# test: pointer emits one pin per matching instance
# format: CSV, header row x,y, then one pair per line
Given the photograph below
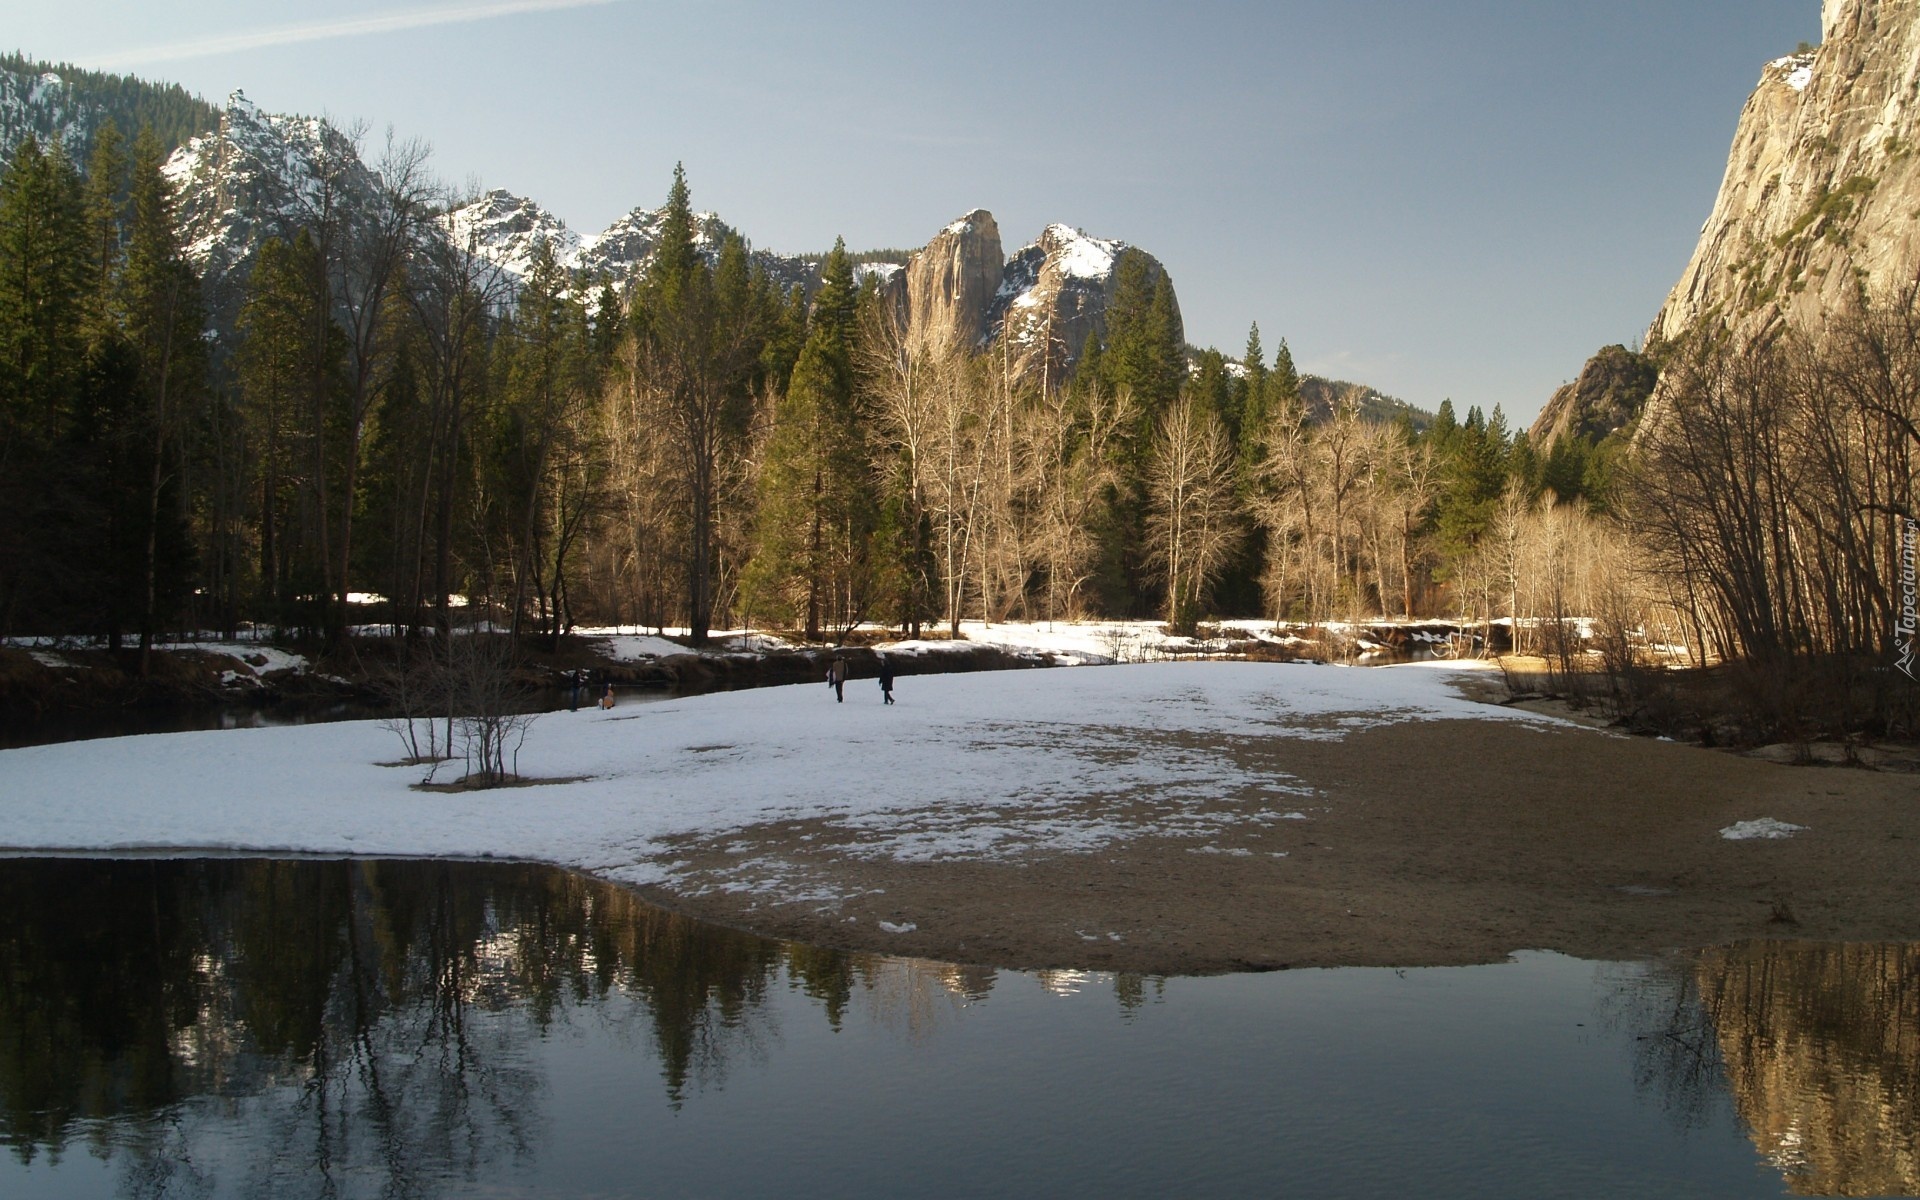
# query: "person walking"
x,y
837,676
886,680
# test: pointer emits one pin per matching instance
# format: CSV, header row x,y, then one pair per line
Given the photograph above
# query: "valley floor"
x,y
1160,818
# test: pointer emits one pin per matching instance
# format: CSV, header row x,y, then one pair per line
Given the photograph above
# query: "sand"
x,y
1428,843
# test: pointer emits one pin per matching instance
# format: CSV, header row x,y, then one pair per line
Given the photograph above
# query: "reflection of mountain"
x,y
1821,1046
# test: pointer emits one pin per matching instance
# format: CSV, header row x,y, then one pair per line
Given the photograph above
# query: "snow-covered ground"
x,y
989,764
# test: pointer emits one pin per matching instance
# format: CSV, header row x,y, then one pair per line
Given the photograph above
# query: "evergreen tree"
x,y
42,372
164,322
817,511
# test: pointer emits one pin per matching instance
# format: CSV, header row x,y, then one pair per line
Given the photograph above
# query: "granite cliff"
x,y
1822,191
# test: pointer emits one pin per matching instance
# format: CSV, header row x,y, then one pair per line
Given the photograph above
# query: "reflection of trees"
x,y
370,1019
1817,1044
1822,1051
1675,1057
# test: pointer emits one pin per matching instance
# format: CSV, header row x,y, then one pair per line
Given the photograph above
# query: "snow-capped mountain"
x,y
1043,303
257,175
505,229
49,109
1056,290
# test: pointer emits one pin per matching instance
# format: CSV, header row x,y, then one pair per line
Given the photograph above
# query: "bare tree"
x,y
1191,527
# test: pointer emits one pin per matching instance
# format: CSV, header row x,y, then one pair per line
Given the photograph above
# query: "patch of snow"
x,y
637,647
903,927
1763,827
1077,256
1796,70
1001,763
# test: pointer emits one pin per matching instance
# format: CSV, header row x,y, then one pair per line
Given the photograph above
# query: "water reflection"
x,y
406,1028
373,1016
1821,1046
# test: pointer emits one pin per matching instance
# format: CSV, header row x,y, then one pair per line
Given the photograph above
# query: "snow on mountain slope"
x,y
45,107
256,177
505,229
1055,291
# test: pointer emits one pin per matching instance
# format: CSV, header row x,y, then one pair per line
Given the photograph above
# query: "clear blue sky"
x,y
1441,198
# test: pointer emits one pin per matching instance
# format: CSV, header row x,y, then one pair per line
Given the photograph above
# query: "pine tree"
x,y
817,510
42,377
161,299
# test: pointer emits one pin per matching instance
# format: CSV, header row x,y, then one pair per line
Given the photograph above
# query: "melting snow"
x,y
1764,827
999,765
1797,69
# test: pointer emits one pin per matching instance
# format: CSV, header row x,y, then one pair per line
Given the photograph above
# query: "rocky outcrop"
x,y
1609,394
258,176
1040,306
1822,190
506,229
1054,296
950,284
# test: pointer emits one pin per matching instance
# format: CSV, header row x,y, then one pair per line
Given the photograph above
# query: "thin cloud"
x,y
286,35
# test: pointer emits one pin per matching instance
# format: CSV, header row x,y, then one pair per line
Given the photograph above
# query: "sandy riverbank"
x,y
1437,842
1160,818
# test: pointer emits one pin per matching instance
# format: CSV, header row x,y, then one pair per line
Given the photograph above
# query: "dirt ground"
x,y
1427,843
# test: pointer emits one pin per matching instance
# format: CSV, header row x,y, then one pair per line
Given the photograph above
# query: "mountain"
x,y
60,102
1041,304
1822,189
505,228
1319,395
1821,198
249,175
1056,291
1608,395
256,176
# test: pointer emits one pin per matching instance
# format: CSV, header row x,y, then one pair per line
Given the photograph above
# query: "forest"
x,y
393,414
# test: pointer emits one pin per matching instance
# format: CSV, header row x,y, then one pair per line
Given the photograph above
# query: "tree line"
x,y
394,414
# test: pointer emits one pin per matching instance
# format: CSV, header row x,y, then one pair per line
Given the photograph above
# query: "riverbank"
x,y
1158,818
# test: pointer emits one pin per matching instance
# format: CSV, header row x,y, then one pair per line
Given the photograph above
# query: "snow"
x,y
1763,827
883,271
984,766
636,647
1796,70
1078,256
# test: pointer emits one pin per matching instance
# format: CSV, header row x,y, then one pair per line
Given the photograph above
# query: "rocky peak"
x,y
1055,293
951,282
1039,306
506,229
1609,393
254,177
1822,186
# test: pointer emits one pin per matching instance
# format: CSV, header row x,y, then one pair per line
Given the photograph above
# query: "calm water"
x,y
244,1027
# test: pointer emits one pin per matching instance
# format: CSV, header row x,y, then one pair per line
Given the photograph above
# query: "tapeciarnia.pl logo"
x,y
1904,626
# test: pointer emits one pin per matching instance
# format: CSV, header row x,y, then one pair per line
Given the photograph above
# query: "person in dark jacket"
x,y
886,680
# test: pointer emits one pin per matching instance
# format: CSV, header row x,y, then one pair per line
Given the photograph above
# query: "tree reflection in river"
x,y
1816,1044
1822,1050
372,1015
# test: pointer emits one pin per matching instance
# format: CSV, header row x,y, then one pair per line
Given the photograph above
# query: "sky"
x,y
1439,198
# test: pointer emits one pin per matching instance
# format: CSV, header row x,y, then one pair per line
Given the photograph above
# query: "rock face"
x,y
254,177
950,284
507,229
1040,306
1054,296
1822,190
1611,389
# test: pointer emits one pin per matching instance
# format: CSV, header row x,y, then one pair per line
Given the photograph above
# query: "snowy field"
x,y
964,765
